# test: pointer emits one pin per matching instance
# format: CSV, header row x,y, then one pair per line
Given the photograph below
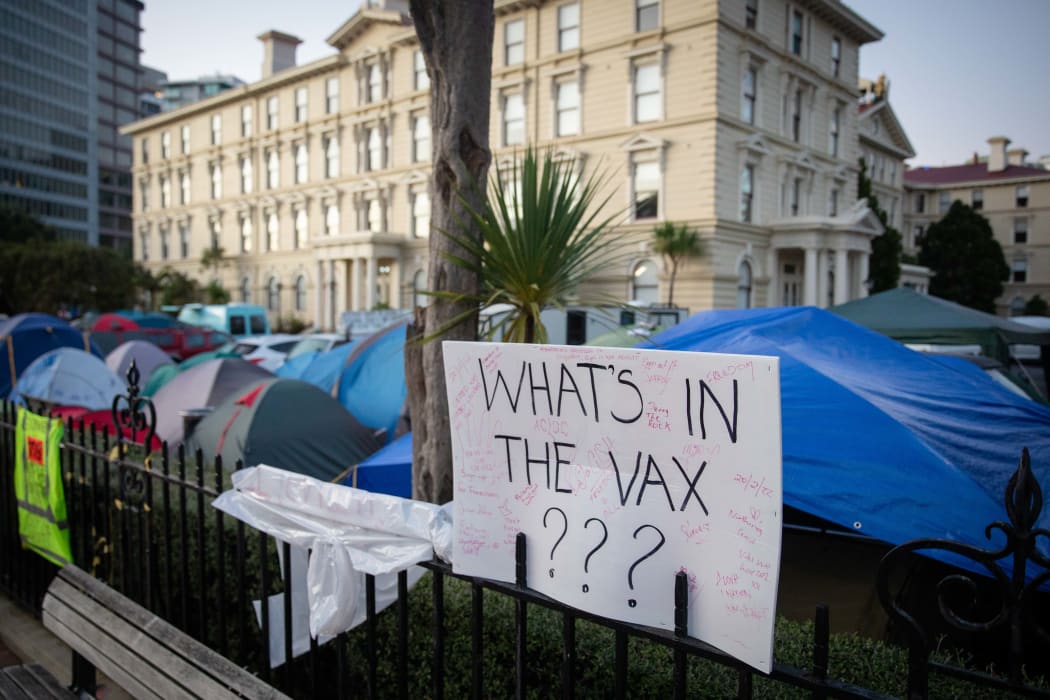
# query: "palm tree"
x,y
675,242
541,238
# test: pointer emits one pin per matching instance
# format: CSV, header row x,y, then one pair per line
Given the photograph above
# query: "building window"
x,y
165,192
944,201
144,150
375,83
569,27
420,138
833,204
1022,195
375,215
271,113
646,190
273,169
836,119
300,293
513,119
421,214
751,14
216,181
750,93
246,121
246,234
165,145
331,220
331,156
420,78
301,228
836,56
273,232
796,116
917,235
977,200
246,290
645,283
185,138
273,294
144,194
514,42
374,154
246,175
331,96
184,239
567,106
920,203
300,105
301,163
796,196
646,92
144,244
216,129
419,286
1020,271
214,234
163,232
1020,230
646,15
747,193
184,187
743,285
796,32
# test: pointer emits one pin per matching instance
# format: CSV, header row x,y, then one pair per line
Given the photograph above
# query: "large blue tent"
x,y
876,437
389,470
26,337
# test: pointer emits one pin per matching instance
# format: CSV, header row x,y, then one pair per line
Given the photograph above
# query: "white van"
x,y
236,319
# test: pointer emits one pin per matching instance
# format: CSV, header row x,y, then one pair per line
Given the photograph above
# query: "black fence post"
x,y
521,617
681,629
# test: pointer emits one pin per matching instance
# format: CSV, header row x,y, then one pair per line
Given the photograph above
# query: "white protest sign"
x,y
623,467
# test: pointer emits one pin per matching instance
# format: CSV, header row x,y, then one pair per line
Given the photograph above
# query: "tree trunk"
x,y
670,286
455,37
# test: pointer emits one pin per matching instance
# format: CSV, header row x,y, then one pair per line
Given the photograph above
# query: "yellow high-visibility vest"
x,y
41,498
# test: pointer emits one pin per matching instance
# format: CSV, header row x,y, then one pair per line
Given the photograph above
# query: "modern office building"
x,y
69,75
1010,191
737,117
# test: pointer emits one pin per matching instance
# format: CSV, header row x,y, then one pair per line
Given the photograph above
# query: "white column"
x,y
773,290
863,276
842,275
395,284
370,280
823,267
329,296
809,293
355,287
319,294
341,270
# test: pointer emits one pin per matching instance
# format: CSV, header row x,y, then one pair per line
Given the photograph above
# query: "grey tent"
x,y
206,385
147,357
285,423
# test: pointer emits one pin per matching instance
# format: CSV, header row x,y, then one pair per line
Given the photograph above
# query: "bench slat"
x,y
147,651
31,681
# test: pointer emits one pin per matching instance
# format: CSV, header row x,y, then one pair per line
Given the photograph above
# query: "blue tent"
x,y
26,337
387,471
318,368
876,437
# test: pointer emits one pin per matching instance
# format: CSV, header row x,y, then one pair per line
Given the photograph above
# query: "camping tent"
x,y
876,437
68,377
203,386
318,368
163,375
147,356
285,423
387,471
28,336
910,317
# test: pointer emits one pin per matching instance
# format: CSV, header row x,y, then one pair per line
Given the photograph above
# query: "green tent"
x,y
163,375
905,315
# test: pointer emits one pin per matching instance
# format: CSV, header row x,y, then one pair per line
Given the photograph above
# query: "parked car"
x,y
316,342
239,320
268,351
180,340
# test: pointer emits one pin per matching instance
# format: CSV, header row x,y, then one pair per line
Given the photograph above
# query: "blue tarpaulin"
x,y
876,437
387,471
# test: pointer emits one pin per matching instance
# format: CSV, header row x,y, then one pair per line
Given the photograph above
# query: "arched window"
x,y
743,285
273,294
1017,305
419,285
246,290
645,283
300,293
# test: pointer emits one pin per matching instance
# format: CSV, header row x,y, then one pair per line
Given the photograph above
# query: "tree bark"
x,y
455,37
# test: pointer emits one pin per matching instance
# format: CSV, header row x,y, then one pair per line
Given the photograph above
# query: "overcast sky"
x,y
960,71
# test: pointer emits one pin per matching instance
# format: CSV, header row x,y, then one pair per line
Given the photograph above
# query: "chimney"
x,y
1016,156
278,52
997,154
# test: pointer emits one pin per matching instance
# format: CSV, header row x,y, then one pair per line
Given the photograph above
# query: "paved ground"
x,y
24,639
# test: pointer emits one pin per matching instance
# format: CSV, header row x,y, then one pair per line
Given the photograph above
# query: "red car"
x,y
180,340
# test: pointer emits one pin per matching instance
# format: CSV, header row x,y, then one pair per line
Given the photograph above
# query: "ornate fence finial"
x,y
134,413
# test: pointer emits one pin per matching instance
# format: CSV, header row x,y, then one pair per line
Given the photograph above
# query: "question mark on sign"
x,y
587,560
564,529
630,572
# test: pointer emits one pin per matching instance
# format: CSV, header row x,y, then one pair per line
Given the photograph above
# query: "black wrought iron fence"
x,y
143,523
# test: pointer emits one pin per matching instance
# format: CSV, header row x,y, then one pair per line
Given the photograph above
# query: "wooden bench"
x,y
140,652
31,682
